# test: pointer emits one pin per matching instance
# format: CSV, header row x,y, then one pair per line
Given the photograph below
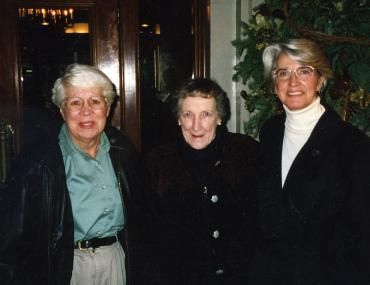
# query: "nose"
x,y
293,80
86,109
196,124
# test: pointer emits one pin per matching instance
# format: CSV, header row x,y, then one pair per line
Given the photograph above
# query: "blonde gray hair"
x,y
304,51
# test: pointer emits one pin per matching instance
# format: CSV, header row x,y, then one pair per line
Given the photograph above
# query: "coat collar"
x,y
321,138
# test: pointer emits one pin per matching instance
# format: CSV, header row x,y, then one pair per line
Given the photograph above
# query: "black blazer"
x,y
205,236
315,228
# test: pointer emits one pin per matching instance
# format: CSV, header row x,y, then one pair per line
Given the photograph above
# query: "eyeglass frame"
x,y
83,103
295,72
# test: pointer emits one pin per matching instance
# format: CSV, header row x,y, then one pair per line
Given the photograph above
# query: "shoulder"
x,y
36,163
237,142
163,153
44,152
272,126
118,139
343,132
353,141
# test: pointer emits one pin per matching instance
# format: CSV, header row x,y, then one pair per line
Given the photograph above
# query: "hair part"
x,y
304,51
204,88
82,76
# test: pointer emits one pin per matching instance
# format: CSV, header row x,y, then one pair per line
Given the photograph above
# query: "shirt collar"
x,y
68,147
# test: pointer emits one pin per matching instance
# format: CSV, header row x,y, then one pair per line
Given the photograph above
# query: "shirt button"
x,y
106,210
214,198
219,272
216,234
103,187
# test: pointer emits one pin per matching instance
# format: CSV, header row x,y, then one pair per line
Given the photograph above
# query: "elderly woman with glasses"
x,y
314,183
75,206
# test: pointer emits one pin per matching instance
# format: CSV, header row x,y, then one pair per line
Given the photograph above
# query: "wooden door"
x,y
113,48
103,52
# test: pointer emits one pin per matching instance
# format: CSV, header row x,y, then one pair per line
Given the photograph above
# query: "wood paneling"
x,y
9,79
130,70
201,22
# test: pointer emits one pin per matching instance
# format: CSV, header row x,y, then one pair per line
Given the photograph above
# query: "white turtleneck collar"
x,y
298,128
304,119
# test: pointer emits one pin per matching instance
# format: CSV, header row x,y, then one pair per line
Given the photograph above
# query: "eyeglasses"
x,y
303,73
97,103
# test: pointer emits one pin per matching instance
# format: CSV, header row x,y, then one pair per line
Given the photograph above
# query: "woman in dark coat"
x,y
314,190
205,193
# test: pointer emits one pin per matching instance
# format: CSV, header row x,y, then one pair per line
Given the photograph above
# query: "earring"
x,y
219,123
179,123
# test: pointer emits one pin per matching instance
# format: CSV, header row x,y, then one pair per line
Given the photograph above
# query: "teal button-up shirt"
x,y
93,189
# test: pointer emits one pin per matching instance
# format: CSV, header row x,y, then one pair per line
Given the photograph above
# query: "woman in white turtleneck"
x,y
298,127
314,179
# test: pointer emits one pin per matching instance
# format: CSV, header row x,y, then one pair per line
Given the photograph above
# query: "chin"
x,y
198,145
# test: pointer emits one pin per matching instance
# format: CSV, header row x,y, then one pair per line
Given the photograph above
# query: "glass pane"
x,y
50,39
166,60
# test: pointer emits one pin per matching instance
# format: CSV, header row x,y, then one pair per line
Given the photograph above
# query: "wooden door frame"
x,y
115,51
130,73
104,47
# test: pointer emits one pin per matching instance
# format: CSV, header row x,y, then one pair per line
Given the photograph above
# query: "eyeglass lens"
x,y
76,103
302,72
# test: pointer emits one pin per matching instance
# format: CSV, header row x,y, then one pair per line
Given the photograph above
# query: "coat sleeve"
x,y
21,206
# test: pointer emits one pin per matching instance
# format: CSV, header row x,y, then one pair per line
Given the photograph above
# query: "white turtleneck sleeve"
x,y
298,127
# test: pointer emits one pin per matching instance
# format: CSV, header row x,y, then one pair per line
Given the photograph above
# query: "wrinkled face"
x,y
296,93
86,124
198,119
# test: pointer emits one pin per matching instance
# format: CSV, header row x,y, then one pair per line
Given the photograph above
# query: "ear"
x,y
108,111
320,83
62,113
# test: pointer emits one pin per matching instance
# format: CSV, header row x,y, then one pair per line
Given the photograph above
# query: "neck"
x,y
304,119
91,147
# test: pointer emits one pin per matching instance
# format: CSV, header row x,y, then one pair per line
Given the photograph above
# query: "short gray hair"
x,y
204,88
303,51
84,76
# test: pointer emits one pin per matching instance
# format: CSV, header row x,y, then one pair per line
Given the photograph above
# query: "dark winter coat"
x,y
38,232
316,228
206,228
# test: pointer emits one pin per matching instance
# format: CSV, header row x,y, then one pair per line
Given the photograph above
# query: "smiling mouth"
x,y
86,124
294,93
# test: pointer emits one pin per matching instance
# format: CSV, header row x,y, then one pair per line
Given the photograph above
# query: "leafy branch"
x,y
341,27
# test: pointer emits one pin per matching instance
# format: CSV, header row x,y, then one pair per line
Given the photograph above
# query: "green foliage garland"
x,y
341,27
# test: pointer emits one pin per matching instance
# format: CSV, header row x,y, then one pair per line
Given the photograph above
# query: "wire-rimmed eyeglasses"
x,y
302,72
96,103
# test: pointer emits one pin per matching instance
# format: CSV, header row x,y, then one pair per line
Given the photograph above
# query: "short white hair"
x,y
84,76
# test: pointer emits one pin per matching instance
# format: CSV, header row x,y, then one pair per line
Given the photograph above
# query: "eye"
x,y
283,73
96,101
187,115
304,70
74,102
206,114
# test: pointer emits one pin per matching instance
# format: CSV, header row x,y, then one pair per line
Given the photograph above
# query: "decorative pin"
x,y
205,190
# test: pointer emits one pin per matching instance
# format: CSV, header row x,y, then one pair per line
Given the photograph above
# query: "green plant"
x,y
341,27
